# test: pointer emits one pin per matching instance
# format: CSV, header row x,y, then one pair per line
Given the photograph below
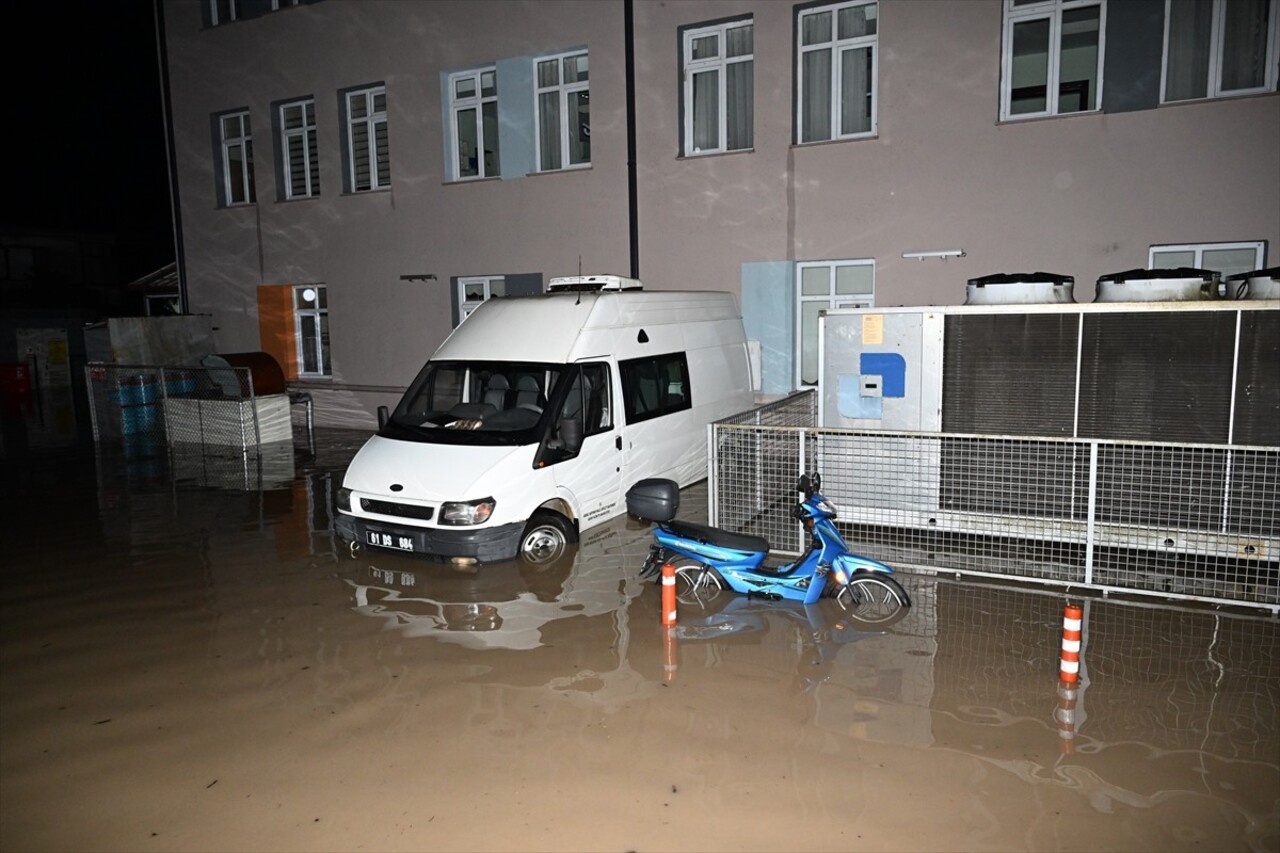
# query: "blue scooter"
x,y
710,559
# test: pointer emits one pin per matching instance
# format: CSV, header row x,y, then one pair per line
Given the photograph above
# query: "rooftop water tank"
x,y
1182,284
1020,289
1259,284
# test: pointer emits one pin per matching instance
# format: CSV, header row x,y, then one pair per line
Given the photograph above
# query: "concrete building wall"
x,y
1082,195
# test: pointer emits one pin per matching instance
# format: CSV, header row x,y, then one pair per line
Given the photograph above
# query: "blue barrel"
x,y
179,383
138,404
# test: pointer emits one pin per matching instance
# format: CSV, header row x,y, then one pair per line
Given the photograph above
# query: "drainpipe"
x,y
633,204
170,154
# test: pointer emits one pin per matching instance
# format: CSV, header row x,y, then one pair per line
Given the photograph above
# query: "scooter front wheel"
x,y
873,597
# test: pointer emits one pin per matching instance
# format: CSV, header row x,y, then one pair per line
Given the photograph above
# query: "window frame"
x,y
310,144
832,300
320,312
243,141
1015,13
466,306
564,93
836,47
474,102
233,11
690,67
1259,248
373,119
1218,53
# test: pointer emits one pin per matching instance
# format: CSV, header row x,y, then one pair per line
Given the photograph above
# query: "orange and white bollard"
x,y
1065,716
670,654
668,595
1072,625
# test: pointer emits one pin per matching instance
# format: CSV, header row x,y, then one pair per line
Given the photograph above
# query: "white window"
x,y
298,144
1052,57
821,286
564,112
367,146
311,327
473,104
1213,48
1225,258
223,11
237,159
837,71
476,289
719,88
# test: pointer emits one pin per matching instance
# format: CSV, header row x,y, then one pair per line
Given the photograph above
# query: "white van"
x,y
537,413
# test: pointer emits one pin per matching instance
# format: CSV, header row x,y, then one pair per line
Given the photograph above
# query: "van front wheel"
x,y
546,538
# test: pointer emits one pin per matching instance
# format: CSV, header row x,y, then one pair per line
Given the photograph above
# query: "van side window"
x,y
655,385
589,400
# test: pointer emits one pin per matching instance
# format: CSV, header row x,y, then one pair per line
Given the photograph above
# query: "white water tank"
x,y
1259,284
1182,284
1034,288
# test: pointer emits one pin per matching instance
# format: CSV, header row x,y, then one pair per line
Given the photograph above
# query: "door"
x,y
594,475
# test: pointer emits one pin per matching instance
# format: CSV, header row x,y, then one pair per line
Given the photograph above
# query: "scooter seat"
x,y
716,536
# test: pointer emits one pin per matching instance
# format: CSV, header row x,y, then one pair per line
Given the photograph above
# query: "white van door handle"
x,y
617,442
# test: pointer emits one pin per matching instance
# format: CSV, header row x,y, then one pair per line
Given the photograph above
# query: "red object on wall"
x,y
15,388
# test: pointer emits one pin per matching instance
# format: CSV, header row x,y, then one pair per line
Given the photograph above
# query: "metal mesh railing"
x,y
152,404
1184,520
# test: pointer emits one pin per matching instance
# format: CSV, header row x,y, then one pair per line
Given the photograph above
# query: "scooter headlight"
x,y
467,512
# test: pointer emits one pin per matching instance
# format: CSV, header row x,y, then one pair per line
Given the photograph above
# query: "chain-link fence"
x,y
1184,520
165,405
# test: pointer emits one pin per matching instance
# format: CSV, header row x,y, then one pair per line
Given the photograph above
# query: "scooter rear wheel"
x,y
698,583
873,598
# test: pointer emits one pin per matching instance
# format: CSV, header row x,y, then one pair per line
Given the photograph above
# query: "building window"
x,y
298,145
719,87
564,112
476,289
822,286
237,158
1214,48
311,326
162,305
1225,258
837,71
1052,57
369,166
223,11
473,105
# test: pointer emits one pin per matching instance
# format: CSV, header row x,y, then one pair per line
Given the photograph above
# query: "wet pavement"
x,y
190,662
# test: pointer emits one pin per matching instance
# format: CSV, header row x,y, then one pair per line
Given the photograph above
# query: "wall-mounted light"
x,y
421,276
937,253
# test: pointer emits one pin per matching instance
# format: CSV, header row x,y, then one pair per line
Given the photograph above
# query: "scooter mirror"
x,y
802,485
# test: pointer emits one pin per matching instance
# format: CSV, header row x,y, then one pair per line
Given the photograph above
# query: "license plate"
x,y
395,541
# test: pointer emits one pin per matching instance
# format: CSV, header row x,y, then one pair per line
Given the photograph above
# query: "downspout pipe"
x,y
633,203
171,158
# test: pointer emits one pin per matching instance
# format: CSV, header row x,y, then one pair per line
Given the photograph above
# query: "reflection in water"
x,y
179,610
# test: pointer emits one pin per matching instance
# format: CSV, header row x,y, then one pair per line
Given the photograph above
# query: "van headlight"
x,y
467,512
344,500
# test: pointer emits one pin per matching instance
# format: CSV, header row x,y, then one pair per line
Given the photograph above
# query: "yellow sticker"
x,y
873,328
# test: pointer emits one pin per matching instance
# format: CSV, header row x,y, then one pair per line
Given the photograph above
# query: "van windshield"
x,y
475,402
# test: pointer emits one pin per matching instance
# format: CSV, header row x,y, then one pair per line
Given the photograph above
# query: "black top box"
x,y
654,499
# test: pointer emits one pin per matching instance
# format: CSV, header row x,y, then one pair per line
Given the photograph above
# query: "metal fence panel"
x,y
1181,520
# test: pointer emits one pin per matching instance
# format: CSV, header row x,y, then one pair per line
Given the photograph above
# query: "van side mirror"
x,y
570,430
384,415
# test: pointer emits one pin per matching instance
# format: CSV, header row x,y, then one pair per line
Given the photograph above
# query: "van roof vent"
x,y
569,283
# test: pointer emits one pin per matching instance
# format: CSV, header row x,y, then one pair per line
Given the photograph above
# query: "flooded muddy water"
x,y
190,662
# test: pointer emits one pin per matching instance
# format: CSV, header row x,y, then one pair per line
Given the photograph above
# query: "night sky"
x,y
84,126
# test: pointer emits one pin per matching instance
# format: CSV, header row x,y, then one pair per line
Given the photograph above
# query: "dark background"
x,y
84,127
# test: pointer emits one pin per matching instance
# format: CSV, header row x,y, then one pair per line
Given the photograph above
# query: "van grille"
x,y
422,513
